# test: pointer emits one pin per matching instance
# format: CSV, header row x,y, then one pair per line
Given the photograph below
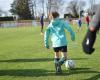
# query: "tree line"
x,y
31,9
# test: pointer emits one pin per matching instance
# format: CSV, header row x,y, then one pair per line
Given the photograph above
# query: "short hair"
x,y
55,14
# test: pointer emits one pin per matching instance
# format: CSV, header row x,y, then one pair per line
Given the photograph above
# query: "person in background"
x,y
79,22
42,23
87,20
90,37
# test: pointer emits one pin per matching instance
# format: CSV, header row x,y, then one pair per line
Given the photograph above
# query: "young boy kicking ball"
x,y
56,31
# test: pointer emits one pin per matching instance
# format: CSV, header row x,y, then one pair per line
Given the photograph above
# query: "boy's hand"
x,y
47,46
73,38
92,29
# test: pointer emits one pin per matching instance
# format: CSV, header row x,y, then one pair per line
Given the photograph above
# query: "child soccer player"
x,y
42,23
79,24
56,31
87,20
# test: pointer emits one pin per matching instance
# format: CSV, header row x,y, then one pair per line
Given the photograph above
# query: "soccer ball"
x,y
70,64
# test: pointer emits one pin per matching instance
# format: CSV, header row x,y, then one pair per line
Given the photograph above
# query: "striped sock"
x,y
56,60
62,60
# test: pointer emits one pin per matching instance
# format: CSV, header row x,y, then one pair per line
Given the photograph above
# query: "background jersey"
x,y
42,19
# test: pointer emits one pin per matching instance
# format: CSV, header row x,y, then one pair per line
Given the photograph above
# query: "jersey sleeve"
x,y
46,37
68,27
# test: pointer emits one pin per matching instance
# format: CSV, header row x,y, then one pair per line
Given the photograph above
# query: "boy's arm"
x,y
46,37
68,27
95,23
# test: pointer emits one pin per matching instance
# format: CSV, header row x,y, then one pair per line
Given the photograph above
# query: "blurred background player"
x,y
90,36
56,31
42,23
87,20
79,22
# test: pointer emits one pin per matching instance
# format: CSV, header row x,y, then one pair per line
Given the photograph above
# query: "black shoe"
x,y
58,68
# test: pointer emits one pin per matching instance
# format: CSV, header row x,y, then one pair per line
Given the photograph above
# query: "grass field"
x,y
24,57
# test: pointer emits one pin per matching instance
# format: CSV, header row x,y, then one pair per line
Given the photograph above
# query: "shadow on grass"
x,y
96,77
79,58
36,60
28,60
42,72
26,72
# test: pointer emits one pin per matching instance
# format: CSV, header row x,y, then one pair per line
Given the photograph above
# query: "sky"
x,y
5,4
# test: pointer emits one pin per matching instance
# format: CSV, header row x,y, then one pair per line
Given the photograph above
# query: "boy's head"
x,y
53,15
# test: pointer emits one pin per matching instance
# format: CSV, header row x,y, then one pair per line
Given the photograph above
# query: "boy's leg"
x,y
64,57
57,65
42,25
87,25
56,57
78,29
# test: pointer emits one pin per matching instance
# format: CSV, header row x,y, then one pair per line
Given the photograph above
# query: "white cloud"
x,y
5,4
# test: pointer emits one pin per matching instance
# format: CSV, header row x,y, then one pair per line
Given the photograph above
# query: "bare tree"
x,y
74,7
33,7
92,3
39,6
93,10
54,5
46,6
42,2
0,12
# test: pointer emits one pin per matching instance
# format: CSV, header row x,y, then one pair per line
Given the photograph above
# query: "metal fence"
x,y
25,23
29,23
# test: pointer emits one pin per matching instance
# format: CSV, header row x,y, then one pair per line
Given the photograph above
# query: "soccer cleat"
x,y
58,68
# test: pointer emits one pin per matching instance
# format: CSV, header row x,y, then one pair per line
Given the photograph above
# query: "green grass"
x,y
24,57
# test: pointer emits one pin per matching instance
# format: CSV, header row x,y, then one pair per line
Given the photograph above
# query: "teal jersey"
x,y
56,31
